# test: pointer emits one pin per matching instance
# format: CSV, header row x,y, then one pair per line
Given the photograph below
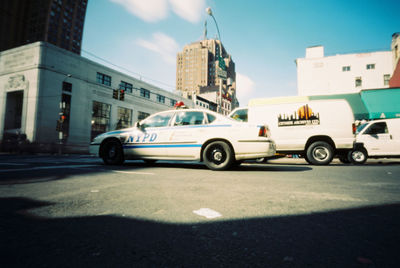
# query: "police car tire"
x,y
320,153
218,155
112,153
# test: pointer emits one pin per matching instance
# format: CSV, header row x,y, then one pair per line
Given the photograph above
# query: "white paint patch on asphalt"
x,y
208,213
133,172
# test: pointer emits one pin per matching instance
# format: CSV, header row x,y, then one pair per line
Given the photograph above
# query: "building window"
x,y
346,69
358,82
100,118
67,87
103,79
126,86
145,93
370,66
142,115
386,78
124,118
172,102
161,98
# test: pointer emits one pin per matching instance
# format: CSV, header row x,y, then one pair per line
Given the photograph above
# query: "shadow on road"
x,y
364,237
45,171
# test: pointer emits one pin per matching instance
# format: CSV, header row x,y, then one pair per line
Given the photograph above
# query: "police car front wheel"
x,y
112,153
218,155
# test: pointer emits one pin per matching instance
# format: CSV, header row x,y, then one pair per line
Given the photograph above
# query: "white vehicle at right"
x,y
377,139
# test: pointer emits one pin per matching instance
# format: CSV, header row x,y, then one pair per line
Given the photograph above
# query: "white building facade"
x,y
318,74
40,82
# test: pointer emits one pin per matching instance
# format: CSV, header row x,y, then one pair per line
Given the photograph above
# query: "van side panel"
x,y
293,124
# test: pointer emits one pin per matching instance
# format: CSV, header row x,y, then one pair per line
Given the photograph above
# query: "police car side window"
x,y
160,120
189,118
211,118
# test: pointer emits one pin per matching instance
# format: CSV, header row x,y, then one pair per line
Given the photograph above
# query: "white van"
x,y
316,129
380,138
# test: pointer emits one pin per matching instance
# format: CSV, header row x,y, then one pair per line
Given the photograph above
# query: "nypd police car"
x,y
189,134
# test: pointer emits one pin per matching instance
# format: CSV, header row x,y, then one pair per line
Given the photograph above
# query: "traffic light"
x,y
60,122
115,94
121,94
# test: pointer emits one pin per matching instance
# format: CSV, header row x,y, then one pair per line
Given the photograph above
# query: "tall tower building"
x,y
59,22
197,69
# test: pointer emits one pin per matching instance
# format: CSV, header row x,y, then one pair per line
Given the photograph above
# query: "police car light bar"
x,y
180,105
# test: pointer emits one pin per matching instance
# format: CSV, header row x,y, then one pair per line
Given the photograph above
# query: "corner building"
x,y
39,81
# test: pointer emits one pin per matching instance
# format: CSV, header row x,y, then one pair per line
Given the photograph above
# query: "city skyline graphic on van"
x,y
303,116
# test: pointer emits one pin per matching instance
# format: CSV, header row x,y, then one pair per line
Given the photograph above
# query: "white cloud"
x,y
244,87
147,10
162,44
156,10
190,10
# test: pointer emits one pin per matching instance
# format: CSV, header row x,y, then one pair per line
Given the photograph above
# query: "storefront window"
x,y
100,118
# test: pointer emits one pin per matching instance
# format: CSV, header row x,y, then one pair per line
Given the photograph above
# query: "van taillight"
x,y
262,132
354,128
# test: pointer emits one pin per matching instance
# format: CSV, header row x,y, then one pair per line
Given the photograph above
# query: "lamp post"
x,y
209,12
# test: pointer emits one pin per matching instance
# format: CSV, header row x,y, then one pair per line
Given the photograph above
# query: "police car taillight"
x,y
354,128
262,132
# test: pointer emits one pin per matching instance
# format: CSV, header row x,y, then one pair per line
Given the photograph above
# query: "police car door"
x,y
188,127
150,138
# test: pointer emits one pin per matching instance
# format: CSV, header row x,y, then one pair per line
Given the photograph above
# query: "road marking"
x,y
208,213
133,172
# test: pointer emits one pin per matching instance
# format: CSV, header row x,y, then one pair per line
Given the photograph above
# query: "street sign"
x,y
221,73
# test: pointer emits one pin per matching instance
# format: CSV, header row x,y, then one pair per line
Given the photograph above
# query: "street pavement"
x,y
72,211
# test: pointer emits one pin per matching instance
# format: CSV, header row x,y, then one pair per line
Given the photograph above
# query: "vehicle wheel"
x,y
344,159
306,158
320,153
112,153
261,160
218,156
358,156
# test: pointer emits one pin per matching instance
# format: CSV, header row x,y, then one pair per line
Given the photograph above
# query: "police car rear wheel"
x,y
112,153
218,155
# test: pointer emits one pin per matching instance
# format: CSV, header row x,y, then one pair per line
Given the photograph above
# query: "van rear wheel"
x,y
320,153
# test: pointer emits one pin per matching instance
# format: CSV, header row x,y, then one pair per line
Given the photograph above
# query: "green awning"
x,y
382,103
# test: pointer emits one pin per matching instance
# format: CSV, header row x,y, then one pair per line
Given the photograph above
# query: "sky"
x,y
142,37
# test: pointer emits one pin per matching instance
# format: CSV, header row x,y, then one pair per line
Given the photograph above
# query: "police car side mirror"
x,y
137,124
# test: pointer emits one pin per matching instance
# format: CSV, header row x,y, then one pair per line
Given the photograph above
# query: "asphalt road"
x,y
72,211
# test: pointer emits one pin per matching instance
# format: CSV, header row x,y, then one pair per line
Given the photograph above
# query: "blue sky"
x,y
264,37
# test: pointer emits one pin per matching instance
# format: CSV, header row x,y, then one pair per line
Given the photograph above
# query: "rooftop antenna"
x,y
205,30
